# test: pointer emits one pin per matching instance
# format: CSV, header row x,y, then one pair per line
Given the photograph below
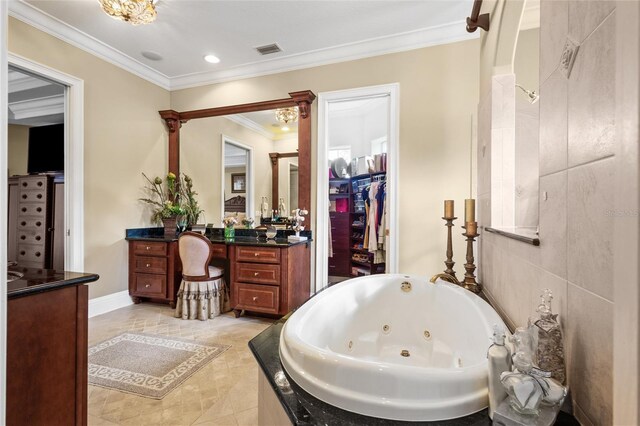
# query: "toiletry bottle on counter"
x,y
499,357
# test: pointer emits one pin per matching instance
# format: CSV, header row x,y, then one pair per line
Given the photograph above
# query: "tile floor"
x,y
224,392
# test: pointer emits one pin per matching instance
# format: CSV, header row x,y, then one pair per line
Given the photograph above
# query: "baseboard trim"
x,y
108,303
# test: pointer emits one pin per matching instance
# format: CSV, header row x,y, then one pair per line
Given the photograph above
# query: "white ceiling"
x,y
310,33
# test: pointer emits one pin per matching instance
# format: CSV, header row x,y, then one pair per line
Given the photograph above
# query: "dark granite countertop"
x,y
304,409
40,280
247,237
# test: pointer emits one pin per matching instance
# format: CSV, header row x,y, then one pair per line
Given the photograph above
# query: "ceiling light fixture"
x,y
212,59
134,11
286,115
284,128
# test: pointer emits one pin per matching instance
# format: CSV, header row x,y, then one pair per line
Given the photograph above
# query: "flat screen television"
x,y
46,149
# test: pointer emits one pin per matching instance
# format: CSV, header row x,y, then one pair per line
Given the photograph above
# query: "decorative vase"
x,y
170,226
229,233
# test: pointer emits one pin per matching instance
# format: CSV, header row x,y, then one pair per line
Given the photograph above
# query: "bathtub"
x,y
392,346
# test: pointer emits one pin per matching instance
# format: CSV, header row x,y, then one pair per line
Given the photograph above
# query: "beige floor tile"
x,y
248,417
225,386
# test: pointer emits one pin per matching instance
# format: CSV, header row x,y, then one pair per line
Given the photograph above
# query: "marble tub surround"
x,y
576,253
301,408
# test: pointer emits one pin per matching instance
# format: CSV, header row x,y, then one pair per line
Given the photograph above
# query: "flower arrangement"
x,y
248,222
190,205
164,201
229,221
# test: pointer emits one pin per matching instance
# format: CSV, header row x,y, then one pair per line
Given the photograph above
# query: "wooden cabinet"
x,y
272,280
339,264
154,270
33,221
47,358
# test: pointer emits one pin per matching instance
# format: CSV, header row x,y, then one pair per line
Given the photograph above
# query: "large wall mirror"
x,y
229,152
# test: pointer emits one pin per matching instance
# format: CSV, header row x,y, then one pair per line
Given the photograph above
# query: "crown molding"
x,y
432,36
35,17
33,108
19,82
250,124
530,17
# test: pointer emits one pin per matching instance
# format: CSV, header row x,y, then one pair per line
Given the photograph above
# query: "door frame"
x,y
4,98
249,208
73,157
391,90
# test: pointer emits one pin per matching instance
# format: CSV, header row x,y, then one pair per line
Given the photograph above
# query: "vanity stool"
x,y
203,293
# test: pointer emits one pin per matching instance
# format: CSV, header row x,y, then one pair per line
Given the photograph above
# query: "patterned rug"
x,y
147,365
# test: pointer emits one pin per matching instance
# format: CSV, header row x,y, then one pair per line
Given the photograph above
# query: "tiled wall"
x,y
577,141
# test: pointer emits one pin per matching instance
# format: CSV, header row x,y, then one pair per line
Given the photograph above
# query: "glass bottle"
x,y
548,340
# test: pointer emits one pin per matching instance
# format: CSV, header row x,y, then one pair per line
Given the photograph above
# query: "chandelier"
x,y
287,115
133,11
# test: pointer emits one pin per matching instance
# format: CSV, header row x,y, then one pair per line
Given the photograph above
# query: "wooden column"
x,y
273,156
172,118
304,100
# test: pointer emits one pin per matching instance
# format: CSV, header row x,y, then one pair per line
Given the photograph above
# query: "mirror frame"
x,y
274,157
302,99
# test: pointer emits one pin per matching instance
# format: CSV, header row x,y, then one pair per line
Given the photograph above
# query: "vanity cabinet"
x,y
154,270
271,280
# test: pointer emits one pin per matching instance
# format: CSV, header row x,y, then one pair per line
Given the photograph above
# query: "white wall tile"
x,y
553,124
553,223
589,347
590,227
592,105
554,27
586,15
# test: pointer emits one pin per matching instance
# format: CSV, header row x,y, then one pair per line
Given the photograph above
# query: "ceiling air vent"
x,y
268,49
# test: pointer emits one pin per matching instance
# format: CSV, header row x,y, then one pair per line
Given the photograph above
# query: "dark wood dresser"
x,y
47,322
340,262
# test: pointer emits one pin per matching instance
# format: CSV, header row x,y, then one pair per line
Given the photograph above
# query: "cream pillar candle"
x,y
469,210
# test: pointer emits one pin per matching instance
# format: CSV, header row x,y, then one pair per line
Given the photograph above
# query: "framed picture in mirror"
x,y
238,182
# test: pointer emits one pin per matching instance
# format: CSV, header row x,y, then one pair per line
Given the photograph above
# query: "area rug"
x,y
148,365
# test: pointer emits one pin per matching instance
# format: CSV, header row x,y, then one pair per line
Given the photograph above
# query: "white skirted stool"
x,y
203,293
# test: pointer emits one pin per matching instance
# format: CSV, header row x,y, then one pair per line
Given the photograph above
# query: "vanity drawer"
x,y
149,248
151,265
31,253
30,222
30,236
257,273
33,182
219,250
258,298
32,209
257,254
33,196
150,285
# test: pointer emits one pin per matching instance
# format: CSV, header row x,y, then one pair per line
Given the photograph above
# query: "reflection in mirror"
x,y
527,126
248,137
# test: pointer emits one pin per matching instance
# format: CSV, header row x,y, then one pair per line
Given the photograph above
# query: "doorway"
x,y
357,183
237,180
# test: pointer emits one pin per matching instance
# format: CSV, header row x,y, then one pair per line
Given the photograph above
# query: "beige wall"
x,y
575,257
438,95
123,137
17,149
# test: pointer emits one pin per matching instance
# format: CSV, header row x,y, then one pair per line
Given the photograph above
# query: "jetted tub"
x,y
392,346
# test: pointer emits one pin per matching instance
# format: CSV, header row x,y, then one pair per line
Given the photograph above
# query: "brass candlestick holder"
x,y
469,282
449,262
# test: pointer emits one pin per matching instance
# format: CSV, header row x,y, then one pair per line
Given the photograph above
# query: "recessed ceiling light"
x,y
153,56
212,59
284,128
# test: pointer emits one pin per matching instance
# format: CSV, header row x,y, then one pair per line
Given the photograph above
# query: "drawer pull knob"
x,y
148,248
148,265
255,298
256,254
147,285
255,274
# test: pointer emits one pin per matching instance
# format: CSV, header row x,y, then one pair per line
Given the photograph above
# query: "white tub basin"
x,y
369,347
